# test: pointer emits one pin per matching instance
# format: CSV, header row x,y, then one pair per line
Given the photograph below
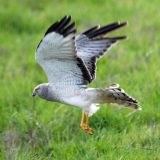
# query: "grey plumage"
x,y
70,64
93,43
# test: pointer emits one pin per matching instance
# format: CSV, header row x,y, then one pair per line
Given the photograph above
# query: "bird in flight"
x,y
69,61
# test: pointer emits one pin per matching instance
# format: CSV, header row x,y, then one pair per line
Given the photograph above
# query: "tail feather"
x,y
117,95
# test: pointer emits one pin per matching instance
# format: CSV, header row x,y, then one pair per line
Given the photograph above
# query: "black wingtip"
x,y
121,24
89,31
118,38
101,31
62,26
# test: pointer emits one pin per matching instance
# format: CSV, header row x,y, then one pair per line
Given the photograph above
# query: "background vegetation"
x,y
34,129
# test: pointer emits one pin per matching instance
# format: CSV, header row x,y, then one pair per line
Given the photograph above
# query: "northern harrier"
x,y
70,64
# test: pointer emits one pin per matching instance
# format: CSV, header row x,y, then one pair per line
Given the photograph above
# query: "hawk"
x,y
69,62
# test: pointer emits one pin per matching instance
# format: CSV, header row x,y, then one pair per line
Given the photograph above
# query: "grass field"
x,y
34,129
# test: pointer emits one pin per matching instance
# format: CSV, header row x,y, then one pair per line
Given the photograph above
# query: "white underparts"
x,y
91,109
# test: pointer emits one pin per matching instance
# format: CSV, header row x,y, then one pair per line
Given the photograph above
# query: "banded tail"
x,y
119,96
115,94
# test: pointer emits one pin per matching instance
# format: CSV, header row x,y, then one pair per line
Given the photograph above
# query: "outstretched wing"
x,y
57,56
93,43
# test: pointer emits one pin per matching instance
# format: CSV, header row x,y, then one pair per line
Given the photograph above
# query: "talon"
x,y
89,131
84,126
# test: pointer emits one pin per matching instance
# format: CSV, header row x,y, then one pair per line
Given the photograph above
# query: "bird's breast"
x,y
78,101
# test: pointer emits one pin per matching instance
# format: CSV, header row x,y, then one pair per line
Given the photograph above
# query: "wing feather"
x,y
56,54
93,43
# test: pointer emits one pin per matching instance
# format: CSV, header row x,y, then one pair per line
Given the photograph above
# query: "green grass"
x,y
34,129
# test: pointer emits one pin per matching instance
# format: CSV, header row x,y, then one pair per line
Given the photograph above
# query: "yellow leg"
x,y
82,119
85,126
82,124
87,120
88,129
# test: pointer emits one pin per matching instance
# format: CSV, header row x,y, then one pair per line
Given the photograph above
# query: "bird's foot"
x,y
83,126
87,129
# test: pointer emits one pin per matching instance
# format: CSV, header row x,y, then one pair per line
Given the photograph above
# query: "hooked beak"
x,y
34,94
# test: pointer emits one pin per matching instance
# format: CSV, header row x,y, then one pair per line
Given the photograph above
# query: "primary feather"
x,y
93,43
70,64
56,54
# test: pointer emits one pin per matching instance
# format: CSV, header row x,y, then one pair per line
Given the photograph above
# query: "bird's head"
x,y
40,90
